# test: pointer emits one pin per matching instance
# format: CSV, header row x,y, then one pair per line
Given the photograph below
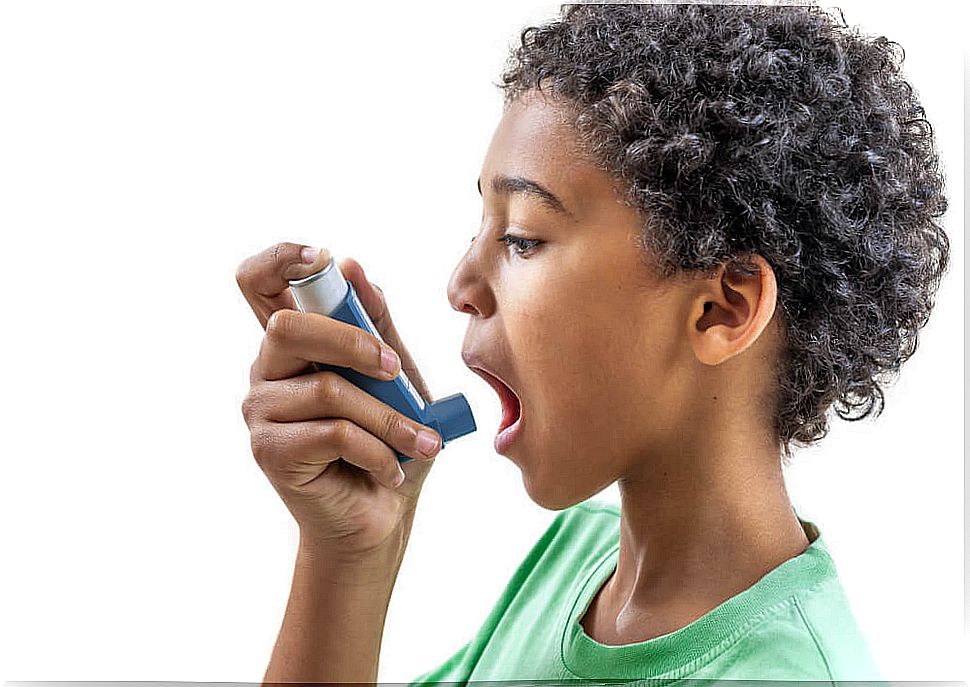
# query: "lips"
x,y
511,405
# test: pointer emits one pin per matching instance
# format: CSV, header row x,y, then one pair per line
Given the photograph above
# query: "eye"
x,y
522,245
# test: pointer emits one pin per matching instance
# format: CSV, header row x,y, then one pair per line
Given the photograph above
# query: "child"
x,y
716,222
774,253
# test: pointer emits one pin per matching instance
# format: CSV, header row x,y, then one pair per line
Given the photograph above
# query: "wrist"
x,y
374,566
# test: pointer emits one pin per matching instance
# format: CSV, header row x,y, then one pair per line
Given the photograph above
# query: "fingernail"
x,y
389,361
309,254
427,442
400,477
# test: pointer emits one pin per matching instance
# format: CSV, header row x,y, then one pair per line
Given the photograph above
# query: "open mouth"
x,y
511,406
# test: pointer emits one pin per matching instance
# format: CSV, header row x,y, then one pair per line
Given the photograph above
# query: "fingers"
x,y
263,278
296,451
328,395
293,339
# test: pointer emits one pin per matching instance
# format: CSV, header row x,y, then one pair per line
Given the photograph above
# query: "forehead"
x,y
535,138
530,124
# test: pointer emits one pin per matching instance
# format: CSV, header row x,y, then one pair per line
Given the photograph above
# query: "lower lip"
x,y
508,435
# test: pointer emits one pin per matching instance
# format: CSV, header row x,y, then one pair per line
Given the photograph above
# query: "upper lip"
x,y
476,364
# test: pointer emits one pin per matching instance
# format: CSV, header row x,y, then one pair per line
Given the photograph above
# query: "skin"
x,y
624,377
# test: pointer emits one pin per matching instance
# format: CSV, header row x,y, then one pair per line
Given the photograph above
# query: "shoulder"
x,y
810,634
827,616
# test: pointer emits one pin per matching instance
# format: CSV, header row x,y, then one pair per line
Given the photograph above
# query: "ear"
x,y
732,309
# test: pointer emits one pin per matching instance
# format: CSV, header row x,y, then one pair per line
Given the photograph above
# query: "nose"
x,y
467,291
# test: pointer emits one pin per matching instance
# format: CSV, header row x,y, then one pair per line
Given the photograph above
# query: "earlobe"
x,y
732,310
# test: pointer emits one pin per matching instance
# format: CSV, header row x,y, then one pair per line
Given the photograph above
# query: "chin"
x,y
549,492
556,489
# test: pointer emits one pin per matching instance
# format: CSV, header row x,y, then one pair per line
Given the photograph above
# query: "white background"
x,y
147,148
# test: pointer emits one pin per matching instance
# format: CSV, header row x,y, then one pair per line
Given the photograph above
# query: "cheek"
x,y
572,361
587,369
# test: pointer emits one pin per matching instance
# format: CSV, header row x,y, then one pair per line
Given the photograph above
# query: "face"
x,y
571,318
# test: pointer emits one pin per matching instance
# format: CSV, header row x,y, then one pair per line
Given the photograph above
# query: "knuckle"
x,y
281,325
278,253
356,342
364,347
391,426
283,255
263,445
336,432
242,274
248,407
329,391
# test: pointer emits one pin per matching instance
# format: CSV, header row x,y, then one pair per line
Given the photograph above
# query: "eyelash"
x,y
527,244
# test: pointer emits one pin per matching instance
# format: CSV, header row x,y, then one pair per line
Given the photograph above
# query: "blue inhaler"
x,y
327,292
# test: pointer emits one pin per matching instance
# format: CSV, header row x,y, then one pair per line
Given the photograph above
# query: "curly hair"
x,y
772,130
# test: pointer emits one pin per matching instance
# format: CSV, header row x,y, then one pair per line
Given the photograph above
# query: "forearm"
x,y
334,618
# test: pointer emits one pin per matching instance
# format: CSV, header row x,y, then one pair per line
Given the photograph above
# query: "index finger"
x,y
263,278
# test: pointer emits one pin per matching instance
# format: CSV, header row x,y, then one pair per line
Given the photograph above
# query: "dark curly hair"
x,y
770,130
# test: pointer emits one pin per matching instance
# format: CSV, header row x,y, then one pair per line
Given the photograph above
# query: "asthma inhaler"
x,y
327,292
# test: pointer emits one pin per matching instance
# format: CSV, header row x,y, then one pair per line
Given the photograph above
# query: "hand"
x,y
301,421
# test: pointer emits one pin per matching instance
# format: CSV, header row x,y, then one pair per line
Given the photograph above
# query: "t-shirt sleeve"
x,y
456,669
459,666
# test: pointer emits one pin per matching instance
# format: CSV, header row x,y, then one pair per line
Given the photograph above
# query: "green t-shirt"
x,y
794,623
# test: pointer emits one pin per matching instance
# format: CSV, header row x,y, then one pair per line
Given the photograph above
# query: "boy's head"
x,y
746,235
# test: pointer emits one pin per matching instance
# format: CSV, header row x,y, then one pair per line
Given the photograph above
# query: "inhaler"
x,y
327,292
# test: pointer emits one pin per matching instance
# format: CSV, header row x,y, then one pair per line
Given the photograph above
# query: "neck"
x,y
691,538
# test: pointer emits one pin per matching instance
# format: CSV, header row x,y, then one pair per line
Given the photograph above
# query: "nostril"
x,y
463,307
470,298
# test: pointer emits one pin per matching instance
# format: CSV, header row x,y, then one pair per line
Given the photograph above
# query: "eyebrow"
x,y
503,184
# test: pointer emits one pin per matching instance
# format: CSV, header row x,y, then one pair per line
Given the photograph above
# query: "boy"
x,y
770,251
716,222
